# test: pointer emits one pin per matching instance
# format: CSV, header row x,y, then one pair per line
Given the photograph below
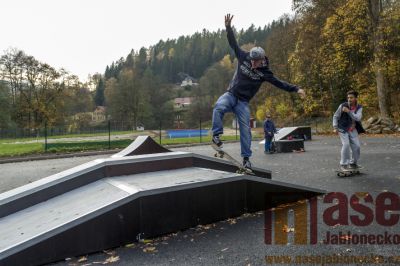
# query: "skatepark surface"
x,y
240,241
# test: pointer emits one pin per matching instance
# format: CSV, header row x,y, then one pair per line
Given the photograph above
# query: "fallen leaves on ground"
x,y
206,227
146,241
82,259
361,195
109,252
149,249
287,229
111,259
231,221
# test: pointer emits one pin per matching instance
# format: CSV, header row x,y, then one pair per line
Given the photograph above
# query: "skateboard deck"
x,y
219,152
349,172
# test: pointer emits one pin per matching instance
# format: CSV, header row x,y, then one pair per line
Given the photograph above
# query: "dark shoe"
x,y
247,163
217,141
353,166
267,152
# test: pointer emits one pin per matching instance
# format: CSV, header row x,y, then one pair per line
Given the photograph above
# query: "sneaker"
x,y
267,152
217,141
353,166
247,163
344,168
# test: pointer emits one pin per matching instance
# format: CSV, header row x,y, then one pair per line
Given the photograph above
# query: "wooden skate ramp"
x,y
110,202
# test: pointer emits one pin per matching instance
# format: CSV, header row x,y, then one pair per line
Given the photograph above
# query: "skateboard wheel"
x,y
342,174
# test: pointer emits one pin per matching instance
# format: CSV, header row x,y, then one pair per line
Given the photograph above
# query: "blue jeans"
x,y
229,103
268,141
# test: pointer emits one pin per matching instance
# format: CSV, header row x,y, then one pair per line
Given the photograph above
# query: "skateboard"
x,y
219,152
349,172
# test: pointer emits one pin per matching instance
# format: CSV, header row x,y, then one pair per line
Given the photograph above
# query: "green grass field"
x,y
41,138
19,149
8,150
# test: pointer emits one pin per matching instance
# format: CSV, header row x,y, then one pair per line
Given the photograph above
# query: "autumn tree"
x,y
125,98
5,105
36,88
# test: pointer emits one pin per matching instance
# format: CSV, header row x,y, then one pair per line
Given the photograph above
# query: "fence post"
x,y
45,136
160,132
200,131
109,134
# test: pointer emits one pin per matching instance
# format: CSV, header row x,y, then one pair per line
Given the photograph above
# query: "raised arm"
x,y
231,37
269,76
280,83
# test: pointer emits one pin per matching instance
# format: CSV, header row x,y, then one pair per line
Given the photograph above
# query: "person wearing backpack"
x,y
347,123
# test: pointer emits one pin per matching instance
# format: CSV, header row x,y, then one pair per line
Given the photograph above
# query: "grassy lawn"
x,y
18,149
69,136
8,150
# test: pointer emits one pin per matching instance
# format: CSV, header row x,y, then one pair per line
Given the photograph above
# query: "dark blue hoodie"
x,y
246,81
269,128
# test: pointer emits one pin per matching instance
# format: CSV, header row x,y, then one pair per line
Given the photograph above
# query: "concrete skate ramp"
x,y
301,132
110,202
141,145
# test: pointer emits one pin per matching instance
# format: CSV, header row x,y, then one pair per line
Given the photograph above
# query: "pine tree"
x,y
99,96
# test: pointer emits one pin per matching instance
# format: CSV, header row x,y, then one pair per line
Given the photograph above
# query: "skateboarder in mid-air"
x,y
252,70
347,121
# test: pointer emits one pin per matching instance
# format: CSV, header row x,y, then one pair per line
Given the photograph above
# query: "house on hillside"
x,y
99,115
188,81
181,103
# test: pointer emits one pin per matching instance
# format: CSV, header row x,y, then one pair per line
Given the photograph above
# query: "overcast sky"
x,y
84,36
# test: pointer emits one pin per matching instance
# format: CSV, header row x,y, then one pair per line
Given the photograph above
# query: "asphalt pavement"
x,y
240,241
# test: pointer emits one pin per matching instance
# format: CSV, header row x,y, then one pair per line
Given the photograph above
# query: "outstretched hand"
x,y
228,20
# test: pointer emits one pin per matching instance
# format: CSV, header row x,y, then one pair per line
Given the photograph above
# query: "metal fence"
x,y
118,134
